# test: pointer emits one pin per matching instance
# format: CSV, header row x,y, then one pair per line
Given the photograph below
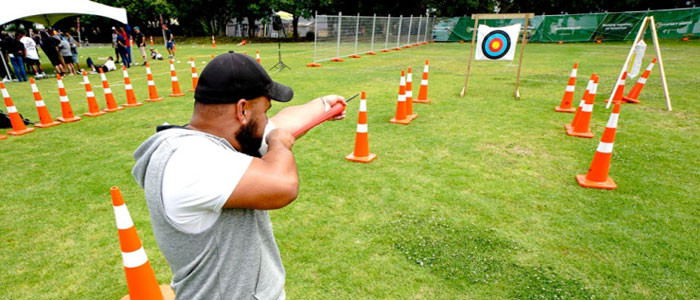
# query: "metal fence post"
x,y
398,36
340,21
410,24
374,21
420,19
388,26
427,21
315,33
357,31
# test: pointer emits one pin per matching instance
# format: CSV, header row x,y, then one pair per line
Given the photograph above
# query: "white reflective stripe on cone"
x,y
604,147
194,75
570,88
102,75
34,89
402,98
363,105
580,104
90,94
134,259
172,67
86,80
651,66
63,98
5,94
121,214
425,69
125,74
424,82
128,86
409,77
361,128
642,80
173,78
573,72
409,94
587,108
108,91
594,89
612,122
60,84
40,103
150,82
148,70
11,109
622,82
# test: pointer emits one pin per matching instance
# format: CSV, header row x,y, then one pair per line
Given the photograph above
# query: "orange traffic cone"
x,y
66,109
18,127
2,137
212,56
423,92
243,43
568,99
151,37
130,97
371,53
109,97
597,176
400,117
409,96
581,103
257,56
633,95
620,89
385,50
581,127
140,279
175,84
44,115
194,75
361,152
94,109
213,41
313,65
152,92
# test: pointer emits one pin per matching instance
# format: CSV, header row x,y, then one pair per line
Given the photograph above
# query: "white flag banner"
x,y
496,43
638,51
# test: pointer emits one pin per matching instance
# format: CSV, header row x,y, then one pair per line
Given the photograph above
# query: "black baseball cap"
x,y
231,76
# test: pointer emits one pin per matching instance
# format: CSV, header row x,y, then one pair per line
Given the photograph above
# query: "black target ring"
x,y
496,37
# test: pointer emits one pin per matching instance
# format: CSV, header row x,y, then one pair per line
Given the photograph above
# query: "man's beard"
x,y
250,144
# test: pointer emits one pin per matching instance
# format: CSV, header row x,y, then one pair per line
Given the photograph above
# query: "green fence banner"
x,y
613,26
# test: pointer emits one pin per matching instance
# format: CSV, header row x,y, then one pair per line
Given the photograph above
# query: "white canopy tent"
x,y
48,12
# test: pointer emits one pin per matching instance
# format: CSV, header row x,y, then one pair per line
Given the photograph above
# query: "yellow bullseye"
x,y
496,44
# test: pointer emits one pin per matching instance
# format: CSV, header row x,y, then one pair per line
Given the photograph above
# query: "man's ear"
x,y
240,111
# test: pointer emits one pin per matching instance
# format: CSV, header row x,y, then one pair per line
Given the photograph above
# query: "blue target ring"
x,y
496,44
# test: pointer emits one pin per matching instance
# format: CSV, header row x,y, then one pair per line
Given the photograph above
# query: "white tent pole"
x,y
357,30
374,21
340,18
398,36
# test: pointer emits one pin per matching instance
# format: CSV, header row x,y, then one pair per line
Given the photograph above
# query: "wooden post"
x,y
520,63
661,62
471,54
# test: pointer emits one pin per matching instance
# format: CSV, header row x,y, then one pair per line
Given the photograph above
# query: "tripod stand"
x,y
277,25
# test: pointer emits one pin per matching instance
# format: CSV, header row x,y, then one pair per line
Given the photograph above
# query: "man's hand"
x,y
280,137
332,100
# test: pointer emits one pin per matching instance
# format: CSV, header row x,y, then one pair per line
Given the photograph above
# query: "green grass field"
x,y
476,199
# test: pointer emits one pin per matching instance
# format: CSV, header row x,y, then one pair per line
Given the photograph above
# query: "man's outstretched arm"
x,y
293,118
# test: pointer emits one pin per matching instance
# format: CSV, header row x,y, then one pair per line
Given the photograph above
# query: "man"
x,y
114,42
140,40
127,43
209,184
64,50
155,55
121,49
50,47
74,50
170,41
31,56
17,53
108,66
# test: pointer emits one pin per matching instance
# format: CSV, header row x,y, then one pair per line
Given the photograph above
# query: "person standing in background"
x,y
140,40
67,55
114,43
127,44
121,49
50,47
31,55
17,53
73,50
170,41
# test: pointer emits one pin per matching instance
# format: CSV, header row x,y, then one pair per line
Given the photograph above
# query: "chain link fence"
x,y
337,36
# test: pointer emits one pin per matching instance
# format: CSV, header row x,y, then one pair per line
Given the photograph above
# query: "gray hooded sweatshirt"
x,y
236,258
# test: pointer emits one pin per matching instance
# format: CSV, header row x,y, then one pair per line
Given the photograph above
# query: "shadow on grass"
x,y
469,255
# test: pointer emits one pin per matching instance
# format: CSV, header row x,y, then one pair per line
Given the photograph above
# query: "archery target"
x,y
497,43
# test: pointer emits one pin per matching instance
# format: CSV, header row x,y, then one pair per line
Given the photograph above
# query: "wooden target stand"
x,y
476,18
647,22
